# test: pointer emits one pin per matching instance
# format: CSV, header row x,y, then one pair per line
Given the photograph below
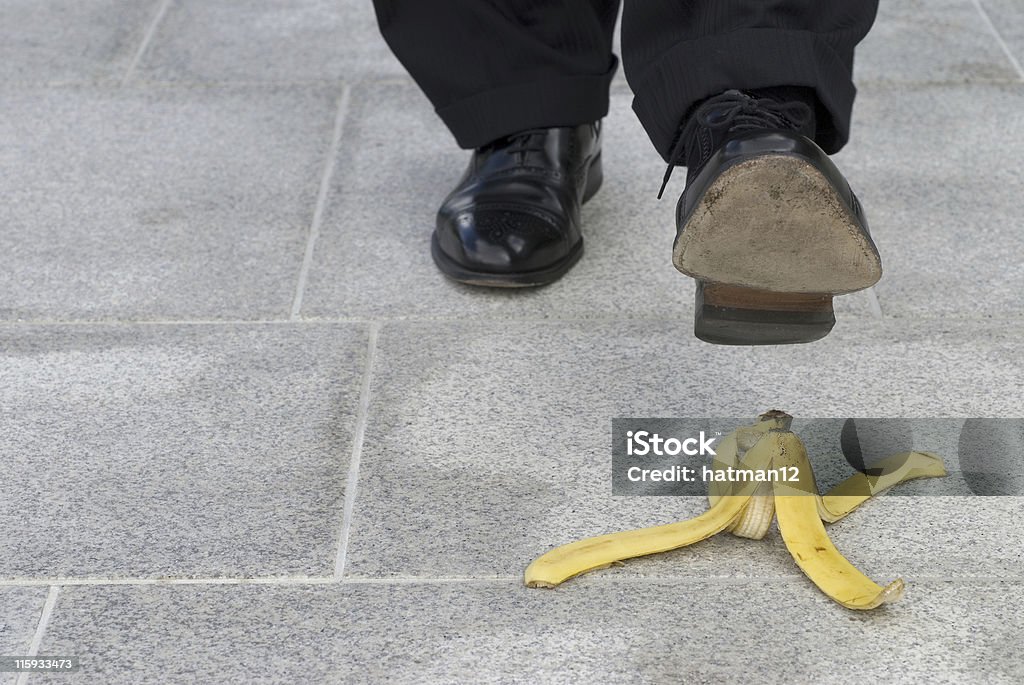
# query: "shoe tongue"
x,y
744,109
784,95
719,114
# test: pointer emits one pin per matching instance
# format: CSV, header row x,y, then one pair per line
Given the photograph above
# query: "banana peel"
x,y
747,509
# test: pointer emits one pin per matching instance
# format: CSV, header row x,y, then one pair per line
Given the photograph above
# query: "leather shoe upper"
x,y
755,143
735,126
517,207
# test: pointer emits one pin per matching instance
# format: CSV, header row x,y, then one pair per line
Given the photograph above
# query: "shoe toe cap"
x,y
502,240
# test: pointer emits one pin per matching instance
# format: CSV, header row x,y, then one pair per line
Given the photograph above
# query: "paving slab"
x,y
489,443
615,632
166,203
397,164
175,451
930,41
268,40
48,41
937,169
20,608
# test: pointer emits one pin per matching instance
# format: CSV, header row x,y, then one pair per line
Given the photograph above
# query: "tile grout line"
x,y
874,304
436,580
390,81
681,316
44,622
269,580
999,39
428,580
146,40
358,436
321,200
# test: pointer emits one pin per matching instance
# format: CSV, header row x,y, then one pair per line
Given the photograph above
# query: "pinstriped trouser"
x,y
494,67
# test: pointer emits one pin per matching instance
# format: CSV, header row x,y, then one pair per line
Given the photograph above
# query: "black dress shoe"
x,y
767,224
514,218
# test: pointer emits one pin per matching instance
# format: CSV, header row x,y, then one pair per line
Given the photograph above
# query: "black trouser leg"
x,y
679,52
495,67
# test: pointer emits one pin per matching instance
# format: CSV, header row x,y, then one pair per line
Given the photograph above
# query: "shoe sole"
x,y
770,242
525,279
522,279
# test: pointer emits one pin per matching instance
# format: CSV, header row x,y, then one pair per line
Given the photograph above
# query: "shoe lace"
x,y
526,141
521,143
734,111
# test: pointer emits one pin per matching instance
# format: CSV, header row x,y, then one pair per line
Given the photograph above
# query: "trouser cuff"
x,y
558,101
746,59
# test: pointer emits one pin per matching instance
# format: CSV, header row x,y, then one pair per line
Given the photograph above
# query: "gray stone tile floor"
x,y
606,630
22,608
71,41
269,40
1005,14
153,451
248,433
158,203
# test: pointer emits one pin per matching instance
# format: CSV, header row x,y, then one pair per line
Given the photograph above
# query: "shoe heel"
x,y
735,315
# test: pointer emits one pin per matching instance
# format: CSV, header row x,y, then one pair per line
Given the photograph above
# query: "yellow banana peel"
x,y
748,508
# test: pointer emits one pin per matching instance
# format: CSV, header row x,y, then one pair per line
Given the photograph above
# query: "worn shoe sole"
x,y
523,279
771,240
